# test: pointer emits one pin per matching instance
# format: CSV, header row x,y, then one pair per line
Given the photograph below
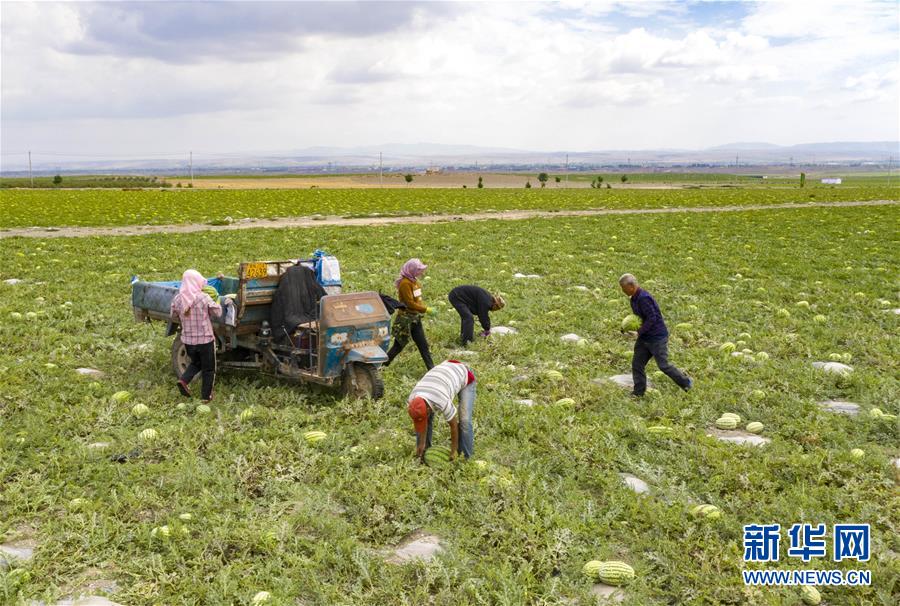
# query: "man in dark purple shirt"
x,y
470,299
652,338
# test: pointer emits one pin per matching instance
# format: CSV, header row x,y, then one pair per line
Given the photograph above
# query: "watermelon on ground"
x,y
614,572
437,456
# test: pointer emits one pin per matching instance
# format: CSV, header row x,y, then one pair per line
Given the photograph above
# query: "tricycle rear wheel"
x,y
362,381
180,359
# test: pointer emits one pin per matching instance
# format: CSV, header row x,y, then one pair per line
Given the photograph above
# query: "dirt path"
x,y
307,222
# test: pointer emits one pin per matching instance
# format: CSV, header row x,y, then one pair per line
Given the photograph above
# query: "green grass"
x,y
22,208
307,524
86,181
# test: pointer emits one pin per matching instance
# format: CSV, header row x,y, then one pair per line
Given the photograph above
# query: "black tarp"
x,y
296,301
390,303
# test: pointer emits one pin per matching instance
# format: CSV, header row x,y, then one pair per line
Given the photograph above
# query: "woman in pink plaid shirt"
x,y
193,308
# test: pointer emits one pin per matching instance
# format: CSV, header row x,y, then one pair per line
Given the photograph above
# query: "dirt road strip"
x,y
308,222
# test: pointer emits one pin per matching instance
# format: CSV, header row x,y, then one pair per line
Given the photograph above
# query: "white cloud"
x,y
874,85
872,80
512,75
821,19
727,74
614,92
751,97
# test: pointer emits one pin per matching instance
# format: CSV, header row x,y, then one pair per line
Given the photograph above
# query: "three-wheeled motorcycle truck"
x,y
343,346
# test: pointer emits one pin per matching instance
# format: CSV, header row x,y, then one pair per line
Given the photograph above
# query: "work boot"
x,y
183,388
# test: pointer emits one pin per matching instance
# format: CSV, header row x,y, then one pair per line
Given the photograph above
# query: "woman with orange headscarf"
x,y
408,323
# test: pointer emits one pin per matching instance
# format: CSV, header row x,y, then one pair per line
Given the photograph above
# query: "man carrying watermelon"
x,y
652,338
435,392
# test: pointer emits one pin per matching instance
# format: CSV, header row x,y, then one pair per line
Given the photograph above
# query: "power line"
x,y
110,155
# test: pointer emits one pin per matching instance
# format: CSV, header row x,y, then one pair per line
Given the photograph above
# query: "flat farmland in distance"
x,y
45,208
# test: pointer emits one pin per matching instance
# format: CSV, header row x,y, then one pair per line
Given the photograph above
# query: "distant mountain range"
x,y
838,147
417,156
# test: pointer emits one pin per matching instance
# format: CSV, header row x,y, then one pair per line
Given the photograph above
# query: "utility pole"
x,y
380,170
192,168
567,172
890,166
31,175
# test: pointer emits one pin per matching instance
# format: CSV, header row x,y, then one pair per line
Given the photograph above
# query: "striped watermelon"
x,y
726,423
615,572
592,569
707,511
314,437
554,375
631,322
810,595
437,456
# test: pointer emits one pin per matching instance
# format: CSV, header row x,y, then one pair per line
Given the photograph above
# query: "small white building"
x,y
832,181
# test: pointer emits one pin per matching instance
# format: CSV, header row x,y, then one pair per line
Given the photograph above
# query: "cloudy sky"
x,y
161,77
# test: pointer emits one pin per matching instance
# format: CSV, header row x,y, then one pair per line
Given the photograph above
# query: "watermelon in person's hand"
x,y
631,322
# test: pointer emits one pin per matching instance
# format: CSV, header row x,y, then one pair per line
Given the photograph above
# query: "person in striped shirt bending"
x,y
435,392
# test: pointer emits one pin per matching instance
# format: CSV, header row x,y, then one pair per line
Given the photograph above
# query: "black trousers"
x,y
466,320
203,361
657,349
417,332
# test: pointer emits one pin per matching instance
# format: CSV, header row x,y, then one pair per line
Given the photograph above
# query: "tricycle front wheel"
x,y
362,381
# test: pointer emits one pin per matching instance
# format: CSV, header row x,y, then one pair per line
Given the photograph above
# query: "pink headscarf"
x,y
411,270
192,283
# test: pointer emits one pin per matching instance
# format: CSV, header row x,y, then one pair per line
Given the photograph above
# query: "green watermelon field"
x,y
107,207
222,506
